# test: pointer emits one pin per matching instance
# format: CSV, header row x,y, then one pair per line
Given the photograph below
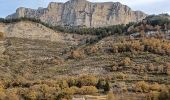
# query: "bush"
x,y
141,86
12,94
31,95
1,35
87,81
42,91
111,96
168,68
72,82
126,61
63,84
164,95
152,95
2,92
107,87
77,54
71,90
101,84
155,87
151,67
153,45
92,49
88,90
121,76
74,89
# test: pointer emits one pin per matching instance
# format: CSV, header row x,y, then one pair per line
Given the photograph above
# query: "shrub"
x,y
87,81
151,67
72,82
88,90
43,91
1,35
111,96
92,49
126,61
161,68
115,49
168,68
107,87
153,45
121,76
63,84
101,84
164,95
74,89
31,95
114,66
77,54
141,86
2,95
63,96
69,91
152,95
2,92
155,87
12,94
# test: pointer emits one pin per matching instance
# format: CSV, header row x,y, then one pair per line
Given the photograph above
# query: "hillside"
x,y
81,13
40,63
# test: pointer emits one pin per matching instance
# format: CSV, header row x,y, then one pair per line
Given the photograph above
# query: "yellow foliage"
x,y
155,87
32,95
126,61
87,80
111,96
141,86
84,90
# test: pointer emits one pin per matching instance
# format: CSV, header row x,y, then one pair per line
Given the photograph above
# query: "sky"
x,y
148,6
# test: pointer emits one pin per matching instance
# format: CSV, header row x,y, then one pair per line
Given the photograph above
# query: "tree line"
x,y
152,22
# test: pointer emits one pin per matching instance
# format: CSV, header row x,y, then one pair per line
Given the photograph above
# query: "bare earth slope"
x,y
31,30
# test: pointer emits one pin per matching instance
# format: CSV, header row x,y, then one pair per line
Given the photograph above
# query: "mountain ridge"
x,y
82,13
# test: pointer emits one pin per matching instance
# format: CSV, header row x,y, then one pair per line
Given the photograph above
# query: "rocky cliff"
x,y
82,13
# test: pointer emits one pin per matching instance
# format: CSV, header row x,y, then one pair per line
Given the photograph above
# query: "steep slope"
x,y
36,31
33,46
82,13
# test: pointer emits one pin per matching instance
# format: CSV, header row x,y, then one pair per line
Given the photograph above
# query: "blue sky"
x,y
148,6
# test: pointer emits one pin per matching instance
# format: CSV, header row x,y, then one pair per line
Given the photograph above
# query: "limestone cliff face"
x,y
82,13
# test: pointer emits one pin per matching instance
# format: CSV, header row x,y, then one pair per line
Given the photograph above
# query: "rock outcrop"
x,y
82,13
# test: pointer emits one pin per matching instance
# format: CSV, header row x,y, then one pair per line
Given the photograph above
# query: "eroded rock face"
x,y
82,13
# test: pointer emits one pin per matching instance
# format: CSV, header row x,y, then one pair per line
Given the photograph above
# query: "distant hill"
x,y
82,13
